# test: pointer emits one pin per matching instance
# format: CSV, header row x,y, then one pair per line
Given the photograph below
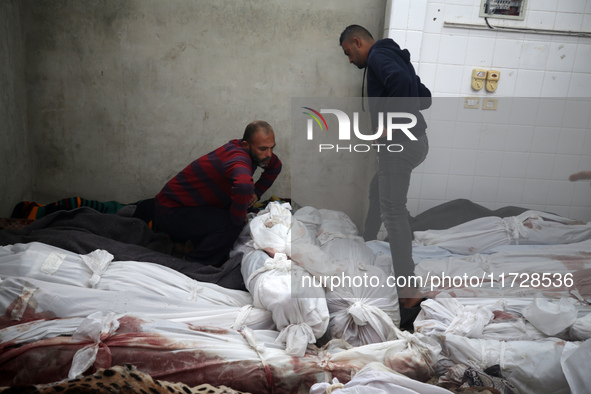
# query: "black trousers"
x,y
209,229
373,220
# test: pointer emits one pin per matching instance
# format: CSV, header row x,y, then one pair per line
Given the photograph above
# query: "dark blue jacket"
x,y
390,74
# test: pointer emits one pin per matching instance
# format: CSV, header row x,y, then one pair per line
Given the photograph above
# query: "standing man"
x,y
207,202
393,86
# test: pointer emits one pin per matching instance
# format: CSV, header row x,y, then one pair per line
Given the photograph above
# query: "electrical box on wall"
x,y
504,9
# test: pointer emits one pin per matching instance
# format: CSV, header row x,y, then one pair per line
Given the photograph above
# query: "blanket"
x,y
455,212
33,210
84,230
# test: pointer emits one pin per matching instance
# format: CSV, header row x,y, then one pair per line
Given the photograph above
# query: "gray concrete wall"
x,y
16,169
124,94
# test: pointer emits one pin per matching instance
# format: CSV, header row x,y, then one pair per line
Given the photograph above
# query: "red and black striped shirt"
x,y
222,179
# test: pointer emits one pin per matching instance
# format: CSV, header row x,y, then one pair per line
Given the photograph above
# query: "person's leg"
x,y
213,247
209,229
395,169
373,220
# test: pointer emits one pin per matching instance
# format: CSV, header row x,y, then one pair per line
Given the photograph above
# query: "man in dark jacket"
x,y
393,86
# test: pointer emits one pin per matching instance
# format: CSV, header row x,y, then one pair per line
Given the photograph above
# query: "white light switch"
x,y
492,80
478,78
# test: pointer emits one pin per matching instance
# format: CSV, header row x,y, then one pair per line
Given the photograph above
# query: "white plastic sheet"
x,y
531,366
98,261
315,261
445,315
582,284
97,270
575,364
299,313
524,272
550,317
155,279
412,355
38,330
383,256
310,217
581,328
274,230
250,360
530,227
95,328
488,319
359,318
335,224
29,299
363,304
363,309
299,234
375,378
353,251
169,297
270,228
36,260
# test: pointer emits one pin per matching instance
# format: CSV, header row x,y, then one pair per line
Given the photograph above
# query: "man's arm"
x,y
238,170
424,94
242,191
581,175
253,200
402,86
268,176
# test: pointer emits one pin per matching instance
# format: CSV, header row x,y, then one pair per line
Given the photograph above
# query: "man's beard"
x,y
256,162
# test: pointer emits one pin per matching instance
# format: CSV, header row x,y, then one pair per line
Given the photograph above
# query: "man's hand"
x,y
253,200
580,175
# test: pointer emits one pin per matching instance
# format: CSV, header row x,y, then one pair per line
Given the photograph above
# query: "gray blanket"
x,y
456,212
84,230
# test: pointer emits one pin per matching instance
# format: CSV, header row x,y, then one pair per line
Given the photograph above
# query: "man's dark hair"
x,y
255,126
354,30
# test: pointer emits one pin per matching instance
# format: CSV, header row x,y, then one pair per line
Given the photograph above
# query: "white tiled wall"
x,y
522,153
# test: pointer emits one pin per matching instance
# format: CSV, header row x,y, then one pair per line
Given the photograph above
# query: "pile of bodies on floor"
x,y
309,321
